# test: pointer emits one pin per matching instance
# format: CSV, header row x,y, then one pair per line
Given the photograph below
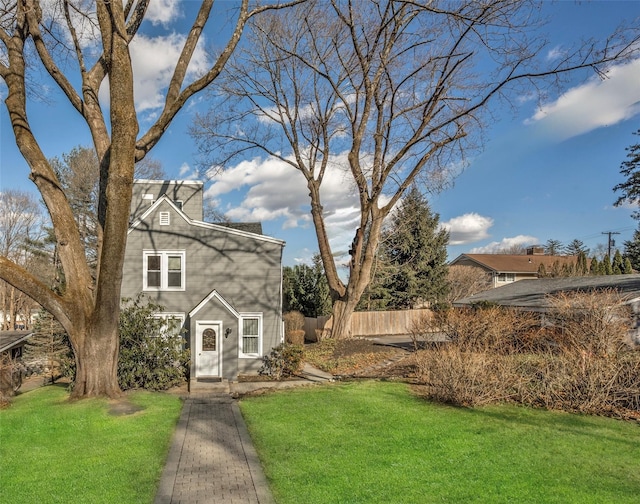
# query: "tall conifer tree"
x,y
412,257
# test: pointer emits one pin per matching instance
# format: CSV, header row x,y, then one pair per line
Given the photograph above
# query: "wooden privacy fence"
x,y
375,323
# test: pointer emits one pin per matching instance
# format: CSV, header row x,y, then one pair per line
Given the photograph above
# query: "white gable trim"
x,y
162,199
206,225
214,294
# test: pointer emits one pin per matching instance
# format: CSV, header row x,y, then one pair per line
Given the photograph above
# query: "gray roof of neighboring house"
x,y
10,339
534,294
249,227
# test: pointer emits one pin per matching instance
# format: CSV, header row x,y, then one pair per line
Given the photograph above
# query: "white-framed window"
x,y
165,218
163,270
507,277
173,322
250,335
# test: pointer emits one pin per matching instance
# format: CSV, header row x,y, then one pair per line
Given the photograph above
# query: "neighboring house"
x,y
508,268
536,296
11,349
12,343
222,282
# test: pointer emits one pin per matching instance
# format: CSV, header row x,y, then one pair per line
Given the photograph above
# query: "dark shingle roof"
x,y
9,339
249,227
533,294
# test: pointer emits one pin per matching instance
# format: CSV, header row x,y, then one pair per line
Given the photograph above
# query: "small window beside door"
x,y
251,337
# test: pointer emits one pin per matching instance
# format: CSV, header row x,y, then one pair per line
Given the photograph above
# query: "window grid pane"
x,y
174,279
175,263
153,263
250,327
250,344
153,279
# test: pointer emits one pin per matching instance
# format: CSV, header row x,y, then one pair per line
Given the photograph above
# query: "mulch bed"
x,y
359,357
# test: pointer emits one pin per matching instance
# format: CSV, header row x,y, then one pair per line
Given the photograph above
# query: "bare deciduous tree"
x,y
398,88
464,281
96,38
20,223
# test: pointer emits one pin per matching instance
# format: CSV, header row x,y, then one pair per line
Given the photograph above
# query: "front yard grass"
x,y
378,442
53,451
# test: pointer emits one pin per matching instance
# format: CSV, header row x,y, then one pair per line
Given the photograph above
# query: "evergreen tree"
x,y
617,266
594,269
413,251
305,289
627,267
581,264
632,250
575,247
542,271
553,247
606,265
630,188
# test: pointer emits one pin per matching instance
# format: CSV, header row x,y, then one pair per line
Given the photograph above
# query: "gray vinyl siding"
x,y
244,269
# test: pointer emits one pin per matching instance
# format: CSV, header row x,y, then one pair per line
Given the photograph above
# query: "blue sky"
x,y
544,173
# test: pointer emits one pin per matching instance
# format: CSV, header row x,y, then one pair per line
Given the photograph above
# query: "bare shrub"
x,y
594,368
465,378
293,321
464,281
486,328
577,358
295,337
472,367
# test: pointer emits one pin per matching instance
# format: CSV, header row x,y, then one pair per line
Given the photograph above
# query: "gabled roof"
x,y
10,339
514,263
239,229
534,294
214,294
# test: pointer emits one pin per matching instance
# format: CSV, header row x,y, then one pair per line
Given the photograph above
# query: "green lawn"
x,y
372,442
52,450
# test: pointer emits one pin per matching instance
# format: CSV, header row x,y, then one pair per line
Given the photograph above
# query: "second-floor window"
x,y
164,270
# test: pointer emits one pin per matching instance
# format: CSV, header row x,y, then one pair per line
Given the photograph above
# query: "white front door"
x,y
208,348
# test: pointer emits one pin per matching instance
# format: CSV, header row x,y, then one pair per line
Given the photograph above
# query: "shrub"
x,y
295,337
293,321
151,348
283,361
578,358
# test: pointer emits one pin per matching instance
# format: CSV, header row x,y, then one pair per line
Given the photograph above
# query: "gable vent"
x,y
165,218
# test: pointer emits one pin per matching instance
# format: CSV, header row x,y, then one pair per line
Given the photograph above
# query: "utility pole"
x,y
611,241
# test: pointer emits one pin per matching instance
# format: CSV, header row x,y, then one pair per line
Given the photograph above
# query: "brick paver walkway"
x,y
212,459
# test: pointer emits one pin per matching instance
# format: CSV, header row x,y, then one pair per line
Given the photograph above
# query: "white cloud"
x,y
592,105
555,53
467,228
154,60
277,191
505,244
163,11
186,173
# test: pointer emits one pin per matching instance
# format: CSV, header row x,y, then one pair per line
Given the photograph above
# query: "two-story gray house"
x,y
222,282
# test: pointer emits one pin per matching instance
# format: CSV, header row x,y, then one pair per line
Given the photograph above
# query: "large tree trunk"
x,y
96,363
342,312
